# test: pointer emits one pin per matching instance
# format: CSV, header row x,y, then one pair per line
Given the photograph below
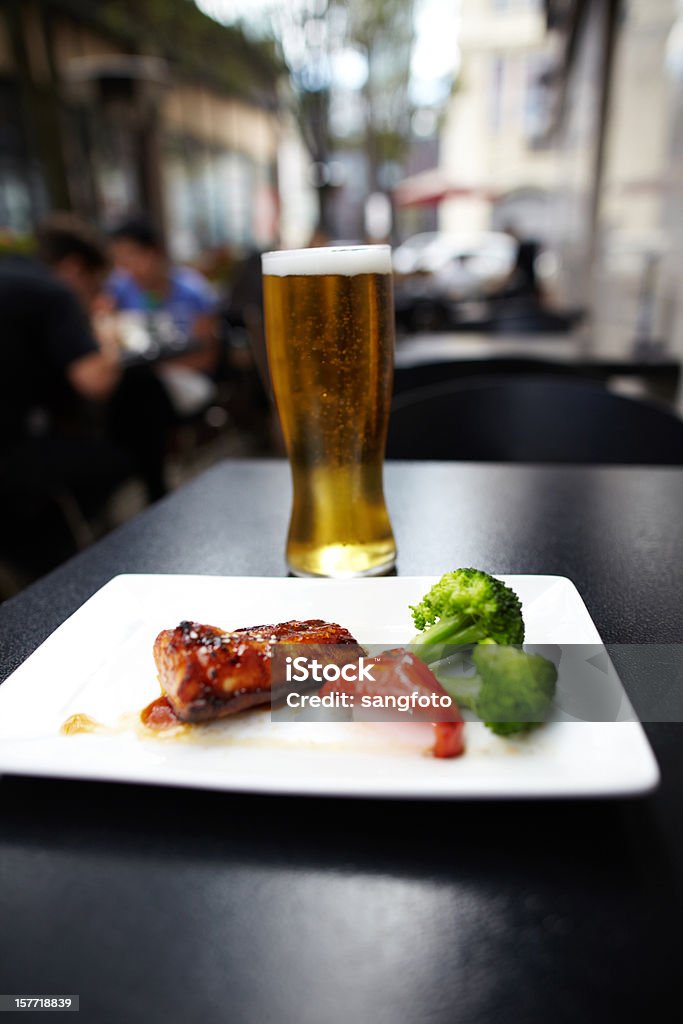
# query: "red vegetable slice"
x,y
449,740
400,673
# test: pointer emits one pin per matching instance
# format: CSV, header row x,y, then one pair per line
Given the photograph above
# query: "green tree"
x,y
383,30
309,36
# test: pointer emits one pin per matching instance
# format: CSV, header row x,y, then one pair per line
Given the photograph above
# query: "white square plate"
x,y
99,662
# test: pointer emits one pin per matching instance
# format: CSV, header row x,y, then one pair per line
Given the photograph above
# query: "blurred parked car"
x,y
407,256
443,278
466,282
481,258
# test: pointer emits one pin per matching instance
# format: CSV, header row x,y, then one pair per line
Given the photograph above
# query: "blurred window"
x,y
497,92
15,197
535,106
211,197
504,5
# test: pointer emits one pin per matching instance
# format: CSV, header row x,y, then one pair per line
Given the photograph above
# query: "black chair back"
x,y
532,419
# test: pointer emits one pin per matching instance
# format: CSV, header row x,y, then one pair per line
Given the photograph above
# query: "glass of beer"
x,y
329,320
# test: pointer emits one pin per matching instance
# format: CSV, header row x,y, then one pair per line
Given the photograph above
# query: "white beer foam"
x,y
347,260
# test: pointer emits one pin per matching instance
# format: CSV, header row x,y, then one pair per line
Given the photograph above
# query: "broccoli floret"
x,y
466,606
511,691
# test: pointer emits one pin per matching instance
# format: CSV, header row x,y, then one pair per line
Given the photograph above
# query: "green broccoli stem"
x,y
464,690
455,630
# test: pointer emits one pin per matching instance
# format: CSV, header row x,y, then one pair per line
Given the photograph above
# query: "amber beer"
x,y
330,334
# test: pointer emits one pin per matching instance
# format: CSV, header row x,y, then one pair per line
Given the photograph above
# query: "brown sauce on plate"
x,y
81,723
159,715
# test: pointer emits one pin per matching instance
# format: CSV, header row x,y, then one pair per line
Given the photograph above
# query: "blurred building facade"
x,y
619,105
98,116
567,122
495,155
639,225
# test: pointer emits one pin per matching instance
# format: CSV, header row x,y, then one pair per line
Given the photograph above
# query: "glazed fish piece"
x,y
206,673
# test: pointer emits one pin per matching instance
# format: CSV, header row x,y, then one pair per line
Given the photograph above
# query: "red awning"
x,y
429,188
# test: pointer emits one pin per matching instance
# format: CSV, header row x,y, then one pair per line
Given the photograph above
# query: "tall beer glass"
x,y
330,334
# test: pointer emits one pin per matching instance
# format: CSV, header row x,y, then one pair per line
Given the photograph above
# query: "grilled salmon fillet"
x,y
206,673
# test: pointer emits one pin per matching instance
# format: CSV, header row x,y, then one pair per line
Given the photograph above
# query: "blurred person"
x,y
523,280
146,281
319,238
136,414
50,363
48,344
218,265
245,311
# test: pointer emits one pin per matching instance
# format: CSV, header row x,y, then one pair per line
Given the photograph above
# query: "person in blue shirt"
x,y
146,281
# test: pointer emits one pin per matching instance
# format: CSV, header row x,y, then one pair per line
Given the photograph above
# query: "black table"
x,y
179,906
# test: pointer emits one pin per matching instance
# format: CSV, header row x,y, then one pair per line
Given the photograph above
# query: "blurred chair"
x,y
531,419
526,315
408,378
52,491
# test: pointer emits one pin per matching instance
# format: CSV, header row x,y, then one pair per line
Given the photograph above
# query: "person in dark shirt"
x,y
48,354
50,364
